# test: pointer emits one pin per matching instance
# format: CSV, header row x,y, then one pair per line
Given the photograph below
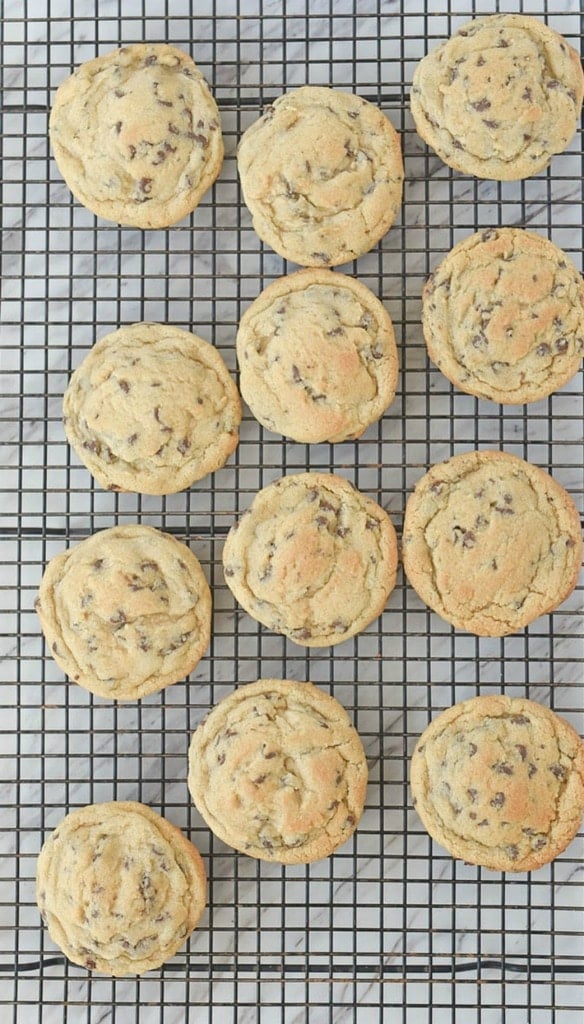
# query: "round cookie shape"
x,y
278,771
503,316
312,558
137,136
126,612
499,98
491,542
317,357
499,781
322,175
152,409
119,888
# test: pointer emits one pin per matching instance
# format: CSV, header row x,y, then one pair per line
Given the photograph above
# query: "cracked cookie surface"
x,y
278,771
499,781
152,409
322,175
126,612
499,98
503,316
491,542
119,888
317,357
137,136
312,558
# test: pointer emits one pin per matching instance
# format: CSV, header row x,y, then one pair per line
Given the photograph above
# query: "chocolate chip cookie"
x,y
136,135
499,98
152,409
322,175
312,558
499,781
126,612
278,771
317,357
119,888
503,316
491,542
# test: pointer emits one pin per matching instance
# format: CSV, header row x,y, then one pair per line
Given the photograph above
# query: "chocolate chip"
x,y
150,59
350,820
519,719
503,768
97,564
91,964
531,771
512,852
132,439
270,755
371,524
322,256
145,185
472,749
481,62
124,385
229,572
491,124
504,511
498,800
503,44
472,795
183,445
561,345
119,618
259,780
481,105
482,823
343,531
296,375
558,770
554,84
335,332
468,539
132,151
522,751
543,350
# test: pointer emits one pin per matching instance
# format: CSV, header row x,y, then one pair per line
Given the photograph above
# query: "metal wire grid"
x,y
390,928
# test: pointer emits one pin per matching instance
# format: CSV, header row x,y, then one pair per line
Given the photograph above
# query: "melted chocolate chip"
x,y
498,800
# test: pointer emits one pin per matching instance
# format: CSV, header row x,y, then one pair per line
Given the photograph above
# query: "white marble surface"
x,y
390,901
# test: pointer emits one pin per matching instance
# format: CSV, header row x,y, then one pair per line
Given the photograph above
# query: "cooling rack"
x,y
390,928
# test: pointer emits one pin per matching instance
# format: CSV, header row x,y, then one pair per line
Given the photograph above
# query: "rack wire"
x,y
390,928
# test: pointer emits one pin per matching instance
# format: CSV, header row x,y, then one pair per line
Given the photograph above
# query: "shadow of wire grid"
x,y
390,928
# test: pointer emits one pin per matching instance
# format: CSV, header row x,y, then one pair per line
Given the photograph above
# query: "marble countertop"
x,y
390,921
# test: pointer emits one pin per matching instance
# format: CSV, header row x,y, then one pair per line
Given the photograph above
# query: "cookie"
x,y
322,175
317,357
499,98
152,409
499,781
503,316
491,542
126,612
137,136
119,888
278,772
312,558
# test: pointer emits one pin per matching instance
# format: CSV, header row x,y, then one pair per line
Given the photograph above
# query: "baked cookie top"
x,y
312,558
322,175
119,888
499,781
503,316
136,135
126,612
278,771
491,542
499,98
317,357
152,409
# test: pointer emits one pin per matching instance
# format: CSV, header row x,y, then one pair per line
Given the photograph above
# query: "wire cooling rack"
x,y
390,928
